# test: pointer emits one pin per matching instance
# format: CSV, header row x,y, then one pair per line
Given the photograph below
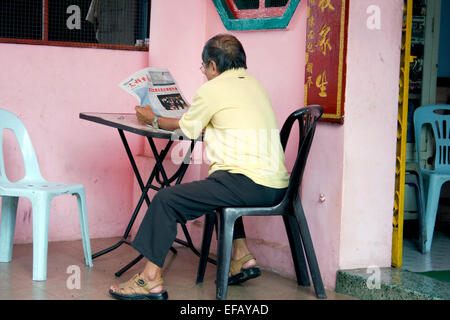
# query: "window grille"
x,y
251,9
21,19
115,24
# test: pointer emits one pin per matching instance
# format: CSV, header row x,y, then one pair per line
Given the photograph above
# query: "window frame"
x,y
45,40
255,19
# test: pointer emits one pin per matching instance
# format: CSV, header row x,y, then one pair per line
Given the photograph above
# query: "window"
x,y
13,23
255,14
257,4
245,5
276,3
115,24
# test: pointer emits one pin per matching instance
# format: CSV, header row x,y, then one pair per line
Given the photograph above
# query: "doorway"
x,y
429,83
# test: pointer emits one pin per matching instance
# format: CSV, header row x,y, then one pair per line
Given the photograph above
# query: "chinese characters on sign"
x,y
326,40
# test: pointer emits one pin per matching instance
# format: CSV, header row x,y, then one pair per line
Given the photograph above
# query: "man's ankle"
x,y
150,276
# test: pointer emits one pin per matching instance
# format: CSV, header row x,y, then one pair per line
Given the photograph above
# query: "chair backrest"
x,y
307,119
9,120
438,118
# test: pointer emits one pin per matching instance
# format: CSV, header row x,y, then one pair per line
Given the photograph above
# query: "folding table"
x,y
128,122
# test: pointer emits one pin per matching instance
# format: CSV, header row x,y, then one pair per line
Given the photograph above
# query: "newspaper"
x,y
155,87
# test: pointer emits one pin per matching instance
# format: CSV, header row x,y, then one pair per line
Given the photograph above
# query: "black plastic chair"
x,y
290,208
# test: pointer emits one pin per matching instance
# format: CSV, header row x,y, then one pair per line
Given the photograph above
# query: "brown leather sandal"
x,y
238,274
141,290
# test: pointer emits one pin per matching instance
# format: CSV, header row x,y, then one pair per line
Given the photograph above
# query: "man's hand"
x,y
145,115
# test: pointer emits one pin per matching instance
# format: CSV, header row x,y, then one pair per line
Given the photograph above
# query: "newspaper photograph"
x,y
156,88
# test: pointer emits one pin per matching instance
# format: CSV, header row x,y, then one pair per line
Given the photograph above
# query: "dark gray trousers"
x,y
189,201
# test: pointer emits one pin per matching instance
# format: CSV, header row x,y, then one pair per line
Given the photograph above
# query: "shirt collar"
x,y
239,72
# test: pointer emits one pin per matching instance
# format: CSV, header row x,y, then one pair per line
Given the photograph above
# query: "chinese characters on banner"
x,y
326,41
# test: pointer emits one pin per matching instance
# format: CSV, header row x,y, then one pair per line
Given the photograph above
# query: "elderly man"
x,y
246,165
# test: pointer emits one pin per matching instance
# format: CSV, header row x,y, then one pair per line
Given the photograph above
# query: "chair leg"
x,y
309,250
413,180
82,211
423,187
293,234
429,220
41,213
210,220
7,227
226,228
420,209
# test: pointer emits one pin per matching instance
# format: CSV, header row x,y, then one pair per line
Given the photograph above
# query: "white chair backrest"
x,y
9,120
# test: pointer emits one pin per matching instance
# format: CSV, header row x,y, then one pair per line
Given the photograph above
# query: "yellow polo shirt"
x,y
241,134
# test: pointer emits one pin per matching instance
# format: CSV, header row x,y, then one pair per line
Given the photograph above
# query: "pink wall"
x,y
352,228
370,135
177,48
47,87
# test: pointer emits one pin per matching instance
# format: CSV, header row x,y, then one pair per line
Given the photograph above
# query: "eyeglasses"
x,y
203,68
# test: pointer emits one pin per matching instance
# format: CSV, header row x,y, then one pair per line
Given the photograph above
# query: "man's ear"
x,y
214,68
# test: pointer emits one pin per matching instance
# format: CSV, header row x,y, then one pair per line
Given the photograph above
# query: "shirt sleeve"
x,y
196,118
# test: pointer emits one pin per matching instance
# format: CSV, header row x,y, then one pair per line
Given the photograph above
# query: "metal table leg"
x,y
166,182
144,196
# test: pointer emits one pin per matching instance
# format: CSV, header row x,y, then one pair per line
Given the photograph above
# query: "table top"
x,y
129,122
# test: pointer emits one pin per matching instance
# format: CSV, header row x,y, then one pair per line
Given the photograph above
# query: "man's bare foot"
x,y
240,250
150,273
130,290
249,264
139,288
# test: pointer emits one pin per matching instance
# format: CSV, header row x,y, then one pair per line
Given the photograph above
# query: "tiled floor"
x,y
64,259
437,259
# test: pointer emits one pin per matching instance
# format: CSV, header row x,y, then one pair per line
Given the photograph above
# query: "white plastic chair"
x,y
40,192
